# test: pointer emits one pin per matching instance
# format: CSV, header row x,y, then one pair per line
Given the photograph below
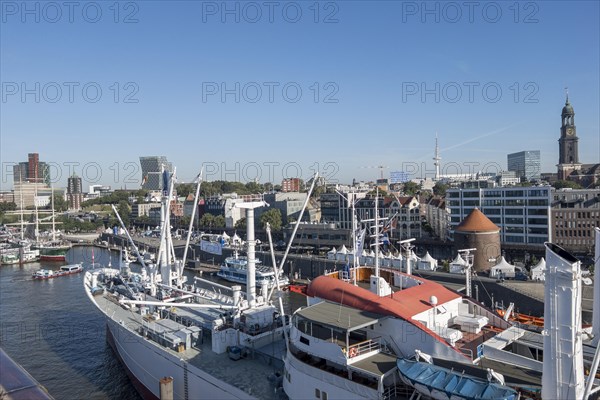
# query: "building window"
x,y
317,394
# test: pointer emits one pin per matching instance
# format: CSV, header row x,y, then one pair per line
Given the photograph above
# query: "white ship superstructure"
x,y
347,342
214,344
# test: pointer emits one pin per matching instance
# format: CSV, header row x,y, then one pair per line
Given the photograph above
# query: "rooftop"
x,y
476,221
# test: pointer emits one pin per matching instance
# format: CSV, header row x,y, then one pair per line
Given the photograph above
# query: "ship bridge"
x,y
344,342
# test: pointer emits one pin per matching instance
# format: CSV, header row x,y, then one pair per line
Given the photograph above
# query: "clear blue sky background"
x,y
373,51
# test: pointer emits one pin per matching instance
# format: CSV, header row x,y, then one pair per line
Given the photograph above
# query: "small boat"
x,y
444,384
234,269
44,274
64,270
70,269
28,256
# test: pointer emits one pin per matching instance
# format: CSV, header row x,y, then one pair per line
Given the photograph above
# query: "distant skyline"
x,y
345,86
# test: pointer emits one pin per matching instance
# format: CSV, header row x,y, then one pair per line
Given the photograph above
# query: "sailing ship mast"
x,y
21,202
52,205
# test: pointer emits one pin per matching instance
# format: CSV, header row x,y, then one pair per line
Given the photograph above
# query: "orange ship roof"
x,y
476,221
404,304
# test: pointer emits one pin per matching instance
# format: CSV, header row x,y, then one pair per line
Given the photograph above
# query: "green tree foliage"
x,y
567,184
254,188
7,207
73,225
273,217
4,218
220,221
114,198
184,189
241,224
219,187
207,221
317,191
439,189
124,211
59,203
411,188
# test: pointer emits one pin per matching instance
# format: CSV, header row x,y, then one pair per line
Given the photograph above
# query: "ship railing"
x,y
396,392
357,349
466,352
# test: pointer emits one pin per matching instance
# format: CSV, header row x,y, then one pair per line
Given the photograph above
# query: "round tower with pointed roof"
x,y
477,231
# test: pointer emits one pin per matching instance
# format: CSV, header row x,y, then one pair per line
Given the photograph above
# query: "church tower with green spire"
x,y
568,153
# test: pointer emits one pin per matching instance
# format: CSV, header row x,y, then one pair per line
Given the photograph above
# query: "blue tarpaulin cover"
x,y
453,383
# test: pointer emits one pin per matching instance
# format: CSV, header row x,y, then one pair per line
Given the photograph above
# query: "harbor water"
x,y
53,330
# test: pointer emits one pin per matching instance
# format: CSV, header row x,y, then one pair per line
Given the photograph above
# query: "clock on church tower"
x,y
568,153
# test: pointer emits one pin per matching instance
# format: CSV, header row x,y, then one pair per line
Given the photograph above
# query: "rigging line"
x,y
482,285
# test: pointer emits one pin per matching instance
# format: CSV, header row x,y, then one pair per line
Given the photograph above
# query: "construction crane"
x,y
381,168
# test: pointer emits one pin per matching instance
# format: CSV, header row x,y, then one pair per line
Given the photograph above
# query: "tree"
x,y
241,223
59,203
254,188
7,207
567,184
439,189
273,217
184,221
411,188
184,189
317,191
220,221
124,211
207,220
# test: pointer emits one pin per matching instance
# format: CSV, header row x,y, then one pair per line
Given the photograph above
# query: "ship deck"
x,y
249,374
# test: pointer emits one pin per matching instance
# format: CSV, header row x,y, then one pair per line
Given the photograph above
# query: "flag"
x,y
391,223
360,242
386,239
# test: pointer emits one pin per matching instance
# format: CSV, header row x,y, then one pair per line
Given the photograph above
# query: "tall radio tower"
x,y
437,159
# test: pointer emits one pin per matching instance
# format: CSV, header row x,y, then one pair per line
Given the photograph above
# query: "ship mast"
x,y
189,235
377,234
166,253
249,206
21,201
52,205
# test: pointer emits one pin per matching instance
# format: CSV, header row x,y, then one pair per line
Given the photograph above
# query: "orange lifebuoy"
x,y
353,352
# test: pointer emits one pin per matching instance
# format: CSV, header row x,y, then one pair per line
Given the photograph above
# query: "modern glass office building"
x,y
526,164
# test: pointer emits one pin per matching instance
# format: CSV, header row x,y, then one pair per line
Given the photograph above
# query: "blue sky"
x,y
362,69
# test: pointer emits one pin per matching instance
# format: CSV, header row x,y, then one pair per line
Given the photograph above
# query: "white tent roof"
x,y
540,265
459,260
503,264
371,253
332,251
399,257
225,235
427,258
236,238
343,250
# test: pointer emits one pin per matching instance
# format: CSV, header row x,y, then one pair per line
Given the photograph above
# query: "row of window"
x,y
575,233
521,239
577,242
499,193
575,224
577,214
